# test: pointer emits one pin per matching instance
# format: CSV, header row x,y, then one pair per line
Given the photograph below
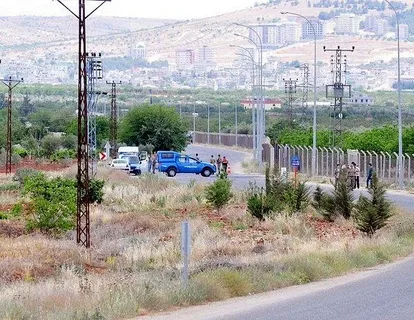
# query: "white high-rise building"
x,y
184,58
347,24
381,27
404,31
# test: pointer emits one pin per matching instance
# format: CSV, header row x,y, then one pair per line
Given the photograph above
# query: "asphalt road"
x,y
401,199
383,293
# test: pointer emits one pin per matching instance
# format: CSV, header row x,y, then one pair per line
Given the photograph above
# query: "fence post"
x,y
365,163
408,168
396,167
389,166
383,164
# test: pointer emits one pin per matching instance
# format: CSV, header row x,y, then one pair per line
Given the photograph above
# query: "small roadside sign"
x,y
102,155
295,162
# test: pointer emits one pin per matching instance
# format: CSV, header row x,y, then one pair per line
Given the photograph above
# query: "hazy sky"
x,y
174,9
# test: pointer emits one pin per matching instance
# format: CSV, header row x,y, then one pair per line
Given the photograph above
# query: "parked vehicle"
x,y
172,162
121,164
134,165
124,152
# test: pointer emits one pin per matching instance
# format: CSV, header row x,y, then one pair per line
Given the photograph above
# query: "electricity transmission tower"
x,y
290,89
94,63
113,124
10,84
83,181
338,90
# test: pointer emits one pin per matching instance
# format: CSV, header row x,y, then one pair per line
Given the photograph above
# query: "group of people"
x,y
352,173
221,164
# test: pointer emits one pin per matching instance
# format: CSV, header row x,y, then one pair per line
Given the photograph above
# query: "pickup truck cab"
x,y
172,162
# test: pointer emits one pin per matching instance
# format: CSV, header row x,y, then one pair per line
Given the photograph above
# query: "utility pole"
x,y
83,181
10,84
290,89
94,63
338,88
113,124
305,91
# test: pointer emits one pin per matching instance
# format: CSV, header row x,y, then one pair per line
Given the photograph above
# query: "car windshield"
x,y
133,159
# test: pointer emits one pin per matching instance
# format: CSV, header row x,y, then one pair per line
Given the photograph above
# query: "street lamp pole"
x,y
235,123
194,116
261,114
314,92
400,166
219,123
208,124
254,111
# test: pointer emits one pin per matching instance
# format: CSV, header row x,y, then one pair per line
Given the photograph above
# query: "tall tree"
x,y
157,125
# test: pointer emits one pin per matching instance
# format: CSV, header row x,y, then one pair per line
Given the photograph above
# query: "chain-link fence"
x,y
384,163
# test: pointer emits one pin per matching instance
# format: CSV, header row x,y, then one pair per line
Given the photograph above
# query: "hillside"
x,y
24,37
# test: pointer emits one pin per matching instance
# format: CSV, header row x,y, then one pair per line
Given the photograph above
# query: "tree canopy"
x,y
154,124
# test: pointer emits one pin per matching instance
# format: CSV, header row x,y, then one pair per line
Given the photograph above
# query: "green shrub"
x,y
219,193
53,203
9,186
324,204
22,173
343,197
260,204
297,198
21,152
96,190
372,213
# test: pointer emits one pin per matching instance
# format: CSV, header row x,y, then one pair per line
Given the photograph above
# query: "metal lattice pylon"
x,y
338,70
83,181
290,90
94,65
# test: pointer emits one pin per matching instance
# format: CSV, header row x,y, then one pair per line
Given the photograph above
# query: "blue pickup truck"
x,y
172,162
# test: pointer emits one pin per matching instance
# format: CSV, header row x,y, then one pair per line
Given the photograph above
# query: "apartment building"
x,y
307,30
404,31
184,58
347,24
204,59
381,27
275,35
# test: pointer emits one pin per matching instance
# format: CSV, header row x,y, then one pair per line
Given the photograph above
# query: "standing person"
x,y
357,174
154,161
149,163
225,164
351,175
218,161
369,176
337,173
197,157
213,161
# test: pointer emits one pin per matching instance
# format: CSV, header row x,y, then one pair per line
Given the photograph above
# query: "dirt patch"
x,y
41,166
12,228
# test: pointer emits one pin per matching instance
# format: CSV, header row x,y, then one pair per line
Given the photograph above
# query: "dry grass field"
x,y
133,267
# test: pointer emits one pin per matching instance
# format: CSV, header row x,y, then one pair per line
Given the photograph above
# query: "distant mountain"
x,y
42,37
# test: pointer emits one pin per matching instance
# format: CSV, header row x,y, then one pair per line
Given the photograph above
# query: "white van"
x,y
134,151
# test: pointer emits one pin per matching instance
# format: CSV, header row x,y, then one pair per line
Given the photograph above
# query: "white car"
x,y
121,164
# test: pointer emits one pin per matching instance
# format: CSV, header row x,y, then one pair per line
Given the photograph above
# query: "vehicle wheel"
x,y
138,172
171,172
206,172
